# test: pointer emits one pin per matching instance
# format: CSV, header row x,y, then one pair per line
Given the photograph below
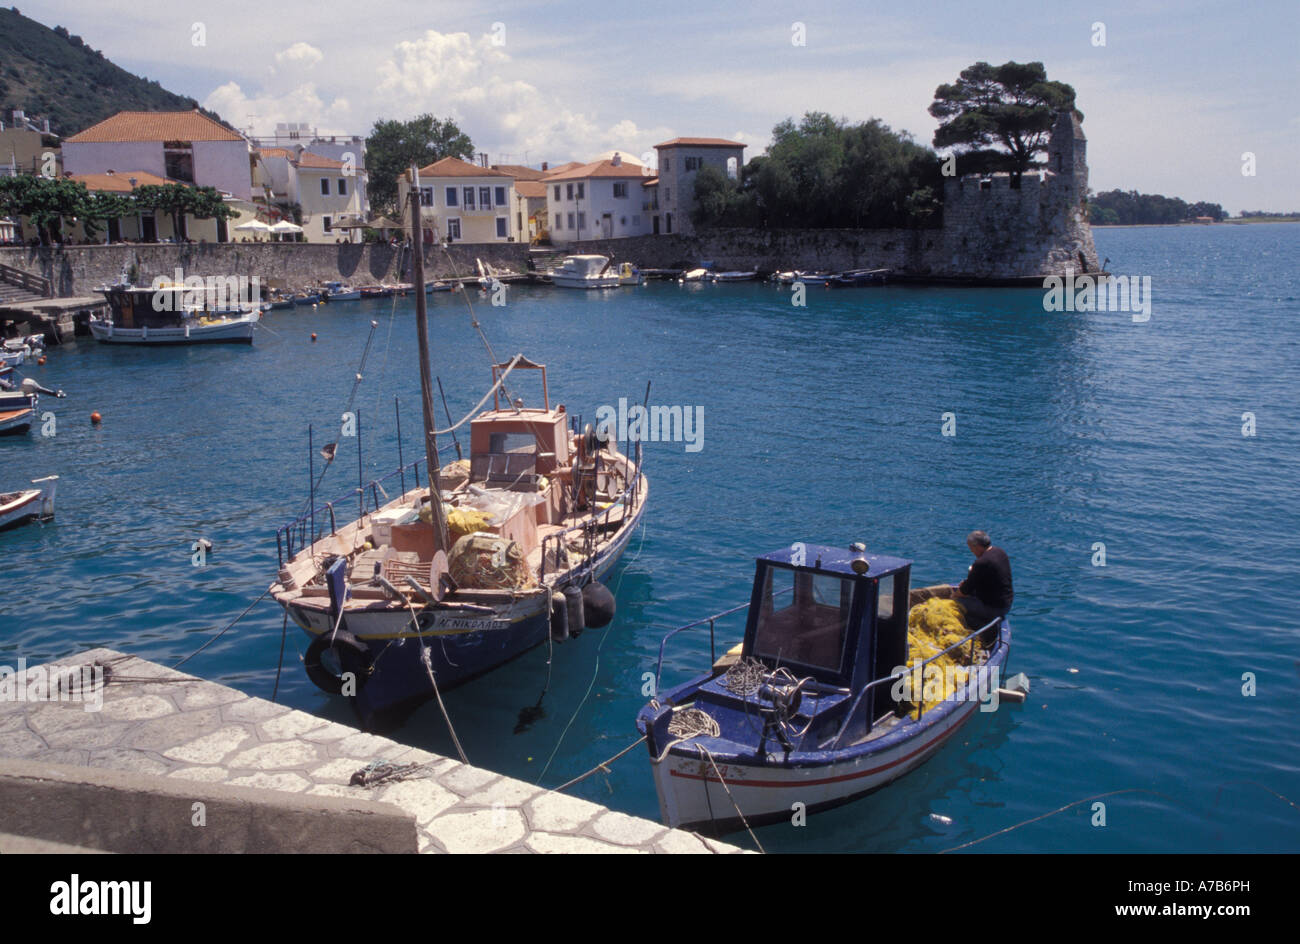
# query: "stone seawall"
x,y
79,270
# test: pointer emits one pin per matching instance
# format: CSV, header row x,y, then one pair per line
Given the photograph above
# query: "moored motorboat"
x,y
857,278
818,706
628,274
21,506
338,292
18,405
586,271
736,276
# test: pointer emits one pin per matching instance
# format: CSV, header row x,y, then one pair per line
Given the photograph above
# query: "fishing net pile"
x,y
933,626
484,561
463,521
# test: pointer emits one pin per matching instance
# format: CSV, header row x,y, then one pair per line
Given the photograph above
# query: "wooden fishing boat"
x,y
490,558
22,506
168,314
817,707
858,278
18,406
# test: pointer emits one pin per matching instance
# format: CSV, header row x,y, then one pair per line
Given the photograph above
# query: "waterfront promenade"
x,y
161,735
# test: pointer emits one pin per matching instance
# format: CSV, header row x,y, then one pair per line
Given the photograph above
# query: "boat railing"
x,y
626,502
911,670
302,531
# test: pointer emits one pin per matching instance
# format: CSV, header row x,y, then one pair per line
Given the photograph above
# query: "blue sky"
x,y
1175,97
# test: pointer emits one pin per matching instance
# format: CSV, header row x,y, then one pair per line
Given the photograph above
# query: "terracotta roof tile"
x,y
562,168
531,188
455,167
520,172
155,126
600,169
120,181
701,142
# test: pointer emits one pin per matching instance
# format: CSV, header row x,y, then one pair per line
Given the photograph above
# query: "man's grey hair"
x,y
979,539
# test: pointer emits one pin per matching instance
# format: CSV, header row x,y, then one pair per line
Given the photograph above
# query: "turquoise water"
x,y
821,423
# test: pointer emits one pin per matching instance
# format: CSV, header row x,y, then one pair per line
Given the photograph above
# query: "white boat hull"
x,y
691,795
568,281
31,503
231,330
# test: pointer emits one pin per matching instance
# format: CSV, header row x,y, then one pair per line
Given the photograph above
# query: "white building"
x,y
328,191
464,202
184,146
679,160
606,199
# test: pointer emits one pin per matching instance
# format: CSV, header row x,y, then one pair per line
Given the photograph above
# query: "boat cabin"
x,y
836,614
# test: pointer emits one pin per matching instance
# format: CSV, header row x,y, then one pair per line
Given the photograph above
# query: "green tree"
x,y
181,200
393,146
1011,107
45,201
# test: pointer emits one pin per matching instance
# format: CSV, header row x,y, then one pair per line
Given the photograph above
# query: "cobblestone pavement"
x,y
158,721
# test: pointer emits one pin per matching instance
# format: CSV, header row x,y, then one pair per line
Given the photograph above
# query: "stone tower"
x,y
1065,203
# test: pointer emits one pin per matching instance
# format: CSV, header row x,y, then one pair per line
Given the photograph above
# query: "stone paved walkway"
x,y
158,721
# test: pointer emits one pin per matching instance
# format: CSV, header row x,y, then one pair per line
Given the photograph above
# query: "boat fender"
x,y
598,604
559,618
352,656
573,601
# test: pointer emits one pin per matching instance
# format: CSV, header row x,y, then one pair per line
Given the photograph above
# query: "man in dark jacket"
x,y
986,592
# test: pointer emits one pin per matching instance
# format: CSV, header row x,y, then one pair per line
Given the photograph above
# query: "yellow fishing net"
x,y
489,562
933,626
463,521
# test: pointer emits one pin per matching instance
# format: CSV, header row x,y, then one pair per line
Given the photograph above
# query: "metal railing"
x,y
626,501
920,667
302,532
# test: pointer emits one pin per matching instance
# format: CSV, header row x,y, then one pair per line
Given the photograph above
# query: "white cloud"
x,y
300,54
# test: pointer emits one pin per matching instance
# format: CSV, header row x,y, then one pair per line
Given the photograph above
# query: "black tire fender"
x,y
353,656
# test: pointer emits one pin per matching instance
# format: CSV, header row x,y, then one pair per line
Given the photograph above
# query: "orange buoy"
x,y
313,335
96,418
40,362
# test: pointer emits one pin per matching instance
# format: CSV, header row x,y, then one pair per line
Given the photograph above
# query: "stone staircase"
x,y
20,288
11,295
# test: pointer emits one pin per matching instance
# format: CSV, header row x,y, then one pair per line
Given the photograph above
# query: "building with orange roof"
x,y
185,146
605,199
679,161
465,202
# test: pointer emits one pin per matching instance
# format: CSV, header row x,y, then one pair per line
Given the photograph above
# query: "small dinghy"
x,y
17,507
821,703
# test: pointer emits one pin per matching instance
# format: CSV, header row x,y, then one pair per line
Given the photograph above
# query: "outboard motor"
x,y
31,388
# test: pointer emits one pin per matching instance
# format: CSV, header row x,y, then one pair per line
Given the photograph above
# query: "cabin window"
x,y
803,618
451,197
501,196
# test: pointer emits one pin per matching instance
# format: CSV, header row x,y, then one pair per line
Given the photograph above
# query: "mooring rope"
x,y
224,631
603,765
709,754
284,632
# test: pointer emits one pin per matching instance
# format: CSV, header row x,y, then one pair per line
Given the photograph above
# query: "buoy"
x,y
559,619
573,602
313,336
96,418
597,605
40,362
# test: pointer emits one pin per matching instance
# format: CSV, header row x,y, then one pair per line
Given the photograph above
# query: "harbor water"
x,y
1141,474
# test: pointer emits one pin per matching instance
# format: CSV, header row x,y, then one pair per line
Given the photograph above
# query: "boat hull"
x,y
463,642
20,507
766,788
565,281
234,331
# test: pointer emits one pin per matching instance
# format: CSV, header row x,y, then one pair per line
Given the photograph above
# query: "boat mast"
x,y
426,371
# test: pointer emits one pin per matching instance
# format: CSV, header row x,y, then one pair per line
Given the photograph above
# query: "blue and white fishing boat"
x,y
338,292
816,707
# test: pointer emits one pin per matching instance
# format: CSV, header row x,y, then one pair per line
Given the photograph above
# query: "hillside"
x,y
50,74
